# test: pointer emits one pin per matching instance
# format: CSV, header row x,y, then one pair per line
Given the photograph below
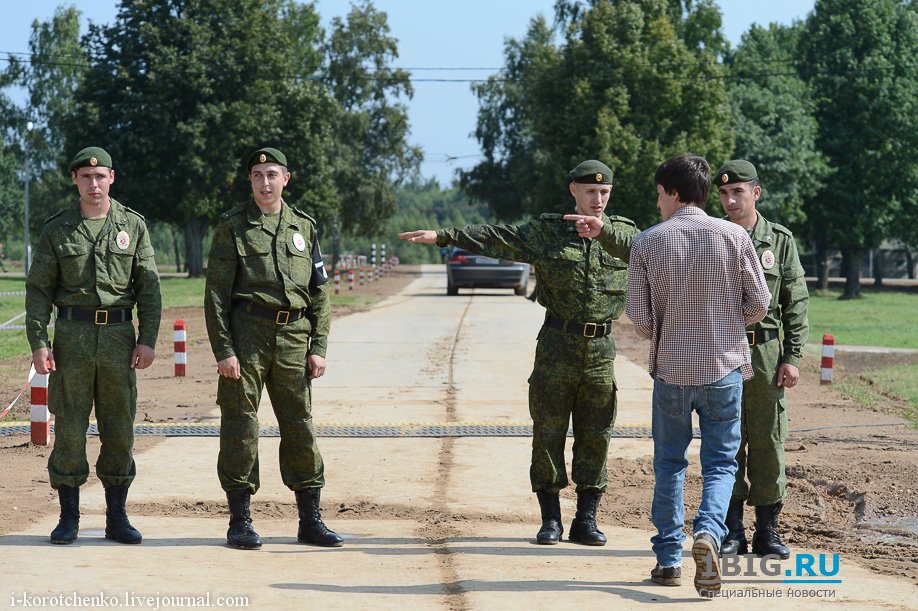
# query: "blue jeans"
x,y
718,406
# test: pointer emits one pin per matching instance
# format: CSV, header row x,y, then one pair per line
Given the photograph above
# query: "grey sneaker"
x,y
666,576
707,565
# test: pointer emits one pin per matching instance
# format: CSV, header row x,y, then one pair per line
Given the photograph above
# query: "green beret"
x,y
592,172
738,170
267,155
91,157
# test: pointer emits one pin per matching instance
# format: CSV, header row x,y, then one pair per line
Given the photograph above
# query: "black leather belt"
x,y
589,330
280,317
761,336
99,317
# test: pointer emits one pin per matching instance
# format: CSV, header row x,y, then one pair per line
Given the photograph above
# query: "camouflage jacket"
x,y
71,268
249,262
578,279
777,251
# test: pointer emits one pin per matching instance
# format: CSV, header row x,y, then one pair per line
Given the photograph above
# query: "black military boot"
x,y
69,525
312,528
766,540
240,533
583,528
117,526
552,529
735,541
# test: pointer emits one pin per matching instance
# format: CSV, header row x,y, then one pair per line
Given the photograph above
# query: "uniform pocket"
x,y
254,250
120,265
76,267
615,274
300,264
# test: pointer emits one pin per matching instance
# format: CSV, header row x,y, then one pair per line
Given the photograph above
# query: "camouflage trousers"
x,y
572,383
764,430
274,357
93,368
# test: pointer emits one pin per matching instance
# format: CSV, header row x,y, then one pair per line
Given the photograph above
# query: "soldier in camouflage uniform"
x,y
268,317
581,272
764,415
94,262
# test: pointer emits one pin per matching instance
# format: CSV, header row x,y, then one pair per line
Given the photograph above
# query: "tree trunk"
x,y
910,263
176,249
852,266
822,267
878,268
194,246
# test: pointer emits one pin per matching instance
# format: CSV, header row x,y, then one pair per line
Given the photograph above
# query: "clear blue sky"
x,y
431,34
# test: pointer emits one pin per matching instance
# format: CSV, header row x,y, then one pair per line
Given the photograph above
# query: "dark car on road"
x,y
466,269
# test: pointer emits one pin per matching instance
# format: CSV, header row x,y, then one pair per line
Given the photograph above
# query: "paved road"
x,y
431,523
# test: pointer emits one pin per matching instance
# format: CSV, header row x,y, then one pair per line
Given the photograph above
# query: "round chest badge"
x,y
768,259
299,242
123,240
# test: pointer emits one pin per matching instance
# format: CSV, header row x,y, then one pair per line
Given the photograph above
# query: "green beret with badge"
x,y
266,155
738,170
592,172
91,157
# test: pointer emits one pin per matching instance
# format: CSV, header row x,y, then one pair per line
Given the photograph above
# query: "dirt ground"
x,y
852,477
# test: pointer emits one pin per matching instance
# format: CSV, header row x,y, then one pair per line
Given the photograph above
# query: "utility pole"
x,y
27,246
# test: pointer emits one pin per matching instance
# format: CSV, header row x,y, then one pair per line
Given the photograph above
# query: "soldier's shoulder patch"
x,y
55,215
551,216
233,211
134,212
302,214
623,220
782,229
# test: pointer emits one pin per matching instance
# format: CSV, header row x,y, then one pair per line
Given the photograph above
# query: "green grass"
x,y
177,293
879,318
182,292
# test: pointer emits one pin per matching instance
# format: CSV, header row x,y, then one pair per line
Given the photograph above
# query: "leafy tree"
x,y
57,65
621,86
182,91
858,57
775,126
372,154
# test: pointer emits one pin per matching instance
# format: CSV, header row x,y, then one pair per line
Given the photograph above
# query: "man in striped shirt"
x,y
694,284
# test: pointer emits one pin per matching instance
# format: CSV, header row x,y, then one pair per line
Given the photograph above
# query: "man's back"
x,y
701,285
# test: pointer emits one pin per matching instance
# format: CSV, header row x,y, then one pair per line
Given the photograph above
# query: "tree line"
x,y
825,108
180,91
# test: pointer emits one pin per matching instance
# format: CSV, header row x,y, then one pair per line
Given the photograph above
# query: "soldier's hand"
x,y
229,368
142,357
587,226
43,359
316,366
788,375
424,236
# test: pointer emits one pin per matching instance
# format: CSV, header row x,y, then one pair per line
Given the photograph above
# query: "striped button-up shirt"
x,y
694,283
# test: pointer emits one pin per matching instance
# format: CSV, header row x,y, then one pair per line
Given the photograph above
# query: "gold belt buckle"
x,y
286,317
586,326
750,337
103,319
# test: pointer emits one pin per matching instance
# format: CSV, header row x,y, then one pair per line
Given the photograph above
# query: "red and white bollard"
x,y
41,417
361,277
337,282
828,358
178,339
350,280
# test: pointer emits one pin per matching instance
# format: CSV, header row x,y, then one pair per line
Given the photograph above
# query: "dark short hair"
x,y
687,174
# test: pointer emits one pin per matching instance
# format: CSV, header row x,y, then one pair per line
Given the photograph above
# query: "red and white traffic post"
x,y
41,417
828,358
179,341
